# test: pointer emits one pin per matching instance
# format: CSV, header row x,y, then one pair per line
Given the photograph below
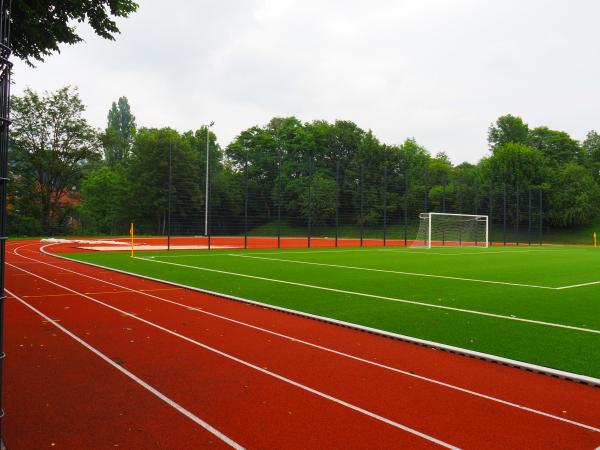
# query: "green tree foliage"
x,y
507,129
147,175
557,146
591,152
300,172
39,27
575,199
118,136
106,197
515,165
51,144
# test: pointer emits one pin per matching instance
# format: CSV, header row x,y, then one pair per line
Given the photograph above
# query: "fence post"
x,y
518,214
309,198
477,209
385,188
337,201
170,190
209,210
406,202
529,221
541,217
360,187
246,203
504,209
490,214
279,200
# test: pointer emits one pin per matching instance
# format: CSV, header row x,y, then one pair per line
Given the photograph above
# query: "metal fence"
x,y
334,204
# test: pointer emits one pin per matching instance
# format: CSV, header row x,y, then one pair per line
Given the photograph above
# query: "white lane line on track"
x,y
255,367
395,272
330,350
380,297
346,355
133,377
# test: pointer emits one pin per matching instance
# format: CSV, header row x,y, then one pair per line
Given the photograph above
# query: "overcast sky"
x,y
437,70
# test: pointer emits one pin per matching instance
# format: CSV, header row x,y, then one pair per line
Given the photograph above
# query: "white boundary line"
x,y
414,340
396,272
578,285
324,251
380,297
330,350
133,377
252,366
407,252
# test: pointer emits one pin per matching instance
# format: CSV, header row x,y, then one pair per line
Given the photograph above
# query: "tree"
x,y
147,177
39,27
507,129
118,137
591,150
591,146
51,143
515,165
557,146
574,198
105,207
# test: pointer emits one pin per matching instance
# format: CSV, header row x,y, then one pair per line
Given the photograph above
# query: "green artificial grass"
x,y
465,325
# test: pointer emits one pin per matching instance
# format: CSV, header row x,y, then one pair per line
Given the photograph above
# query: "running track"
x,y
98,359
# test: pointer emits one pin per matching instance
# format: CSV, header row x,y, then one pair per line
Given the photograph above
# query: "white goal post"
x,y
445,229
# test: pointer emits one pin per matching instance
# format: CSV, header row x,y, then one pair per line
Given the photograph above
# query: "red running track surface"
x,y
183,369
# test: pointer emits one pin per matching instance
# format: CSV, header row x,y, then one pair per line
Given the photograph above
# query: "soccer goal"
x,y
443,229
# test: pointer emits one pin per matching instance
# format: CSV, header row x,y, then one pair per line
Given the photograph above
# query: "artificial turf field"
x,y
539,305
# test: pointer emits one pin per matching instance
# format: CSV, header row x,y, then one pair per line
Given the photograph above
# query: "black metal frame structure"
x,y
5,71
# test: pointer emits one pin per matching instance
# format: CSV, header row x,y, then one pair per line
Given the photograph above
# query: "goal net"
x,y
442,229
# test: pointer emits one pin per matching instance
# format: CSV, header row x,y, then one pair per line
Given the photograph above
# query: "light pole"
x,y
206,192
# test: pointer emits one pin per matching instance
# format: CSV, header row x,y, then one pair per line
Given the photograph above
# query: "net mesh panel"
x,y
451,230
291,198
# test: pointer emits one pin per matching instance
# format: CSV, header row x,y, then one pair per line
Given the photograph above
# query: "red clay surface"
x,y
262,378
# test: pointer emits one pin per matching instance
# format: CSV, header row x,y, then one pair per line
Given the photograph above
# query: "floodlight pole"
x,y
207,171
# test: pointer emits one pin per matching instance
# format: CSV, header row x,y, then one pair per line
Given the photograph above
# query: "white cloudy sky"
x,y
436,70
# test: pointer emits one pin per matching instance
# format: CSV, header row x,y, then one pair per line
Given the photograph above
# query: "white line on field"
x,y
381,297
133,377
578,285
481,252
396,272
253,366
264,253
406,251
557,288
326,349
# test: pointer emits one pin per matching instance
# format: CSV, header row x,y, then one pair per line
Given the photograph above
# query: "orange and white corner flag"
x,y
131,234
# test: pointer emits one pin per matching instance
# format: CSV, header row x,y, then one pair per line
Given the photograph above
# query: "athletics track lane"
x,y
459,418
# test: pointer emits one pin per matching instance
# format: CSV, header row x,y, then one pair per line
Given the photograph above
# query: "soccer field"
x,y
539,305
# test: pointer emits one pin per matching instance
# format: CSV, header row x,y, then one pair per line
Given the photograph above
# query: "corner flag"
x,y
131,234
